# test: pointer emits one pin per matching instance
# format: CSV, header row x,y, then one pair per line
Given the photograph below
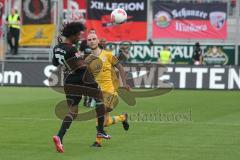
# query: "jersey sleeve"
x,y
73,50
112,59
54,59
73,54
83,45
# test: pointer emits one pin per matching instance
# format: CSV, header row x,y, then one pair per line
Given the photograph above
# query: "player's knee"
x,y
100,110
74,112
74,115
108,109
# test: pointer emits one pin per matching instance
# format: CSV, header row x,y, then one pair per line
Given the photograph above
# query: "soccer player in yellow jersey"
x,y
102,64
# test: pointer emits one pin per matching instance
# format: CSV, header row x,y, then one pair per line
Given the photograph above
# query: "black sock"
x,y
100,124
100,116
65,125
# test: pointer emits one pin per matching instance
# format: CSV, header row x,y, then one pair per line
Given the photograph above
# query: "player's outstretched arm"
x,y
123,76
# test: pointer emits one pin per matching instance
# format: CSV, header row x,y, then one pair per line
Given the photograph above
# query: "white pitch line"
x,y
29,118
157,122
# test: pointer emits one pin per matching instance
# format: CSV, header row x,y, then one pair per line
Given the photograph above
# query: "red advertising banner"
x,y
74,10
36,12
80,3
185,20
135,28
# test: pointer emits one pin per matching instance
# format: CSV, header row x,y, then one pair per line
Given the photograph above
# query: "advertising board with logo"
x,y
139,76
36,12
182,54
74,10
215,56
185,20
191,77
99,18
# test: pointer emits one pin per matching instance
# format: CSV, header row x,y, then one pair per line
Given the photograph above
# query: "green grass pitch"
x,y
208,130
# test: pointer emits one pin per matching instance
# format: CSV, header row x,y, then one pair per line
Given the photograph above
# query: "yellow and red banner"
x,y
37,35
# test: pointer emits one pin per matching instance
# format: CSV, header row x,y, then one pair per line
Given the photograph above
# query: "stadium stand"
x,y
44,53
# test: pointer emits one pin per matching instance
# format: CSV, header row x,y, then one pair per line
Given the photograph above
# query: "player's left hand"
x,y
127,87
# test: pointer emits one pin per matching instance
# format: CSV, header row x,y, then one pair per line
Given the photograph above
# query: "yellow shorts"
x,y
110,100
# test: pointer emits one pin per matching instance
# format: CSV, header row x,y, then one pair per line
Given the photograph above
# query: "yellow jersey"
x,y
105,75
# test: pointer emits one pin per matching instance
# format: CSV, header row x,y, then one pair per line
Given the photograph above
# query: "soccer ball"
x,y
118,16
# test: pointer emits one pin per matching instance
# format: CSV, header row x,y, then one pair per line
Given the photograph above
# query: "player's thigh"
x,y
72,85
94,91
110,100
73,100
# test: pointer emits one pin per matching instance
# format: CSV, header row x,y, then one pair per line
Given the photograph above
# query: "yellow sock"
x,y
115,119
109,122
99,140
119,118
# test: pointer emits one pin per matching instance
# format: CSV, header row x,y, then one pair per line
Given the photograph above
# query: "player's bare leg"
x,y
109,120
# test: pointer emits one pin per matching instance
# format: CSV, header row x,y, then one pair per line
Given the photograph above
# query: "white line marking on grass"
x,y
189,122
155,122
29,118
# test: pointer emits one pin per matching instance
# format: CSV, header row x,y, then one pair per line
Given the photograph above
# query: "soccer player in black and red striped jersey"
x,y
66,55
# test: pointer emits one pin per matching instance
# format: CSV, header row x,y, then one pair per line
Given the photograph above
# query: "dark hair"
x,y
197,44
71,29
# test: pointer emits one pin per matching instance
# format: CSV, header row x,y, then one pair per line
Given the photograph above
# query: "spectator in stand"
x,y
102,43
150,42
232,9
13,22
197,57
165,56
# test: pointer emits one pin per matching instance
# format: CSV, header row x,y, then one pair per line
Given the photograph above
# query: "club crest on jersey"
x,y
78,54
104,59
